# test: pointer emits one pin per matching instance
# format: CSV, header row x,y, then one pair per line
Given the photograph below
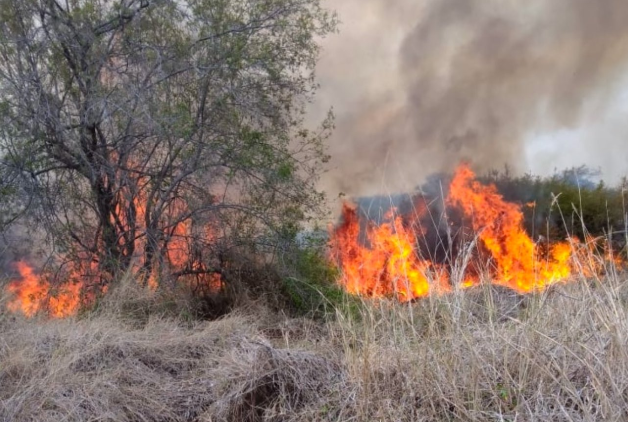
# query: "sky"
x,y
419,85
600,143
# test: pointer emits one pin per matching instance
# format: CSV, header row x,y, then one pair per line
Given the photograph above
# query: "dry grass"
x,y
558,356
482,355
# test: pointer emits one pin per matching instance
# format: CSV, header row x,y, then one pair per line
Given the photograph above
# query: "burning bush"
x,y
147,138
569,203
388,259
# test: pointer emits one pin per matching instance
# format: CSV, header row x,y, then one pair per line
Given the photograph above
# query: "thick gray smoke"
x,y
420,85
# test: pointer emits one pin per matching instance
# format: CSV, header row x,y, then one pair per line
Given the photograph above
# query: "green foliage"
x,y
313,288
565,204
148,116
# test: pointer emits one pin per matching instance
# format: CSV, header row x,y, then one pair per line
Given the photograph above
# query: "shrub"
x,y
310,282
567,203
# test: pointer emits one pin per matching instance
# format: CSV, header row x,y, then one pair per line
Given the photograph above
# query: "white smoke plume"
x,y
418,85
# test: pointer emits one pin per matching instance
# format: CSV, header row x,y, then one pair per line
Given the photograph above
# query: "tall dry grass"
x,y
480,355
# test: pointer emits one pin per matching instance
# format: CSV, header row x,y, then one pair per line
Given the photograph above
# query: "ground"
x,y
480,355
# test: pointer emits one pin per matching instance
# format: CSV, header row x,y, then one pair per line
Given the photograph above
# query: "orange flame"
x,y
390,267
387,264
32,294
499,225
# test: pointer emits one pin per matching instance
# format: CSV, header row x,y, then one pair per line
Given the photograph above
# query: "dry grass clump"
x,y
480,355
135,304
103,368
260,382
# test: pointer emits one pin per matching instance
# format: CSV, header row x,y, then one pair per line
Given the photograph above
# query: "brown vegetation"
x,y
483,354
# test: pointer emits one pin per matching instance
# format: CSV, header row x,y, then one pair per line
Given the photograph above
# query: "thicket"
x,y
569,203
159,138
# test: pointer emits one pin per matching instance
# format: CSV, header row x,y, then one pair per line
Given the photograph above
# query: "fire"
x,y
33,294
499,225
384,260
389,266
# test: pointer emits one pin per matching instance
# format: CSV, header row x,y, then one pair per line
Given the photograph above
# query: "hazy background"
x,y
418,85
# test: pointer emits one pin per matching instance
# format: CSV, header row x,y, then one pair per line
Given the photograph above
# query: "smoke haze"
x,y
418,86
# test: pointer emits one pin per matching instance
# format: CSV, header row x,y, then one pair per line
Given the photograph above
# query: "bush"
x,y
569,203
312,288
